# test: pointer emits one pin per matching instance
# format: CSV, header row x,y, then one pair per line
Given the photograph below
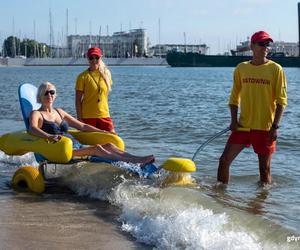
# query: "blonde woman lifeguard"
x,y
92,91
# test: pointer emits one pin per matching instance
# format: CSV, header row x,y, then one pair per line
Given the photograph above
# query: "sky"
x,y
220,24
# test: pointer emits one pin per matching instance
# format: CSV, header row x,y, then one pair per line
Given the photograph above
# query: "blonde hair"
x,y
41,90
105,72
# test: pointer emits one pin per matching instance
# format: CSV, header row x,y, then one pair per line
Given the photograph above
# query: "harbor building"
x,y
134,43
277,48
161,50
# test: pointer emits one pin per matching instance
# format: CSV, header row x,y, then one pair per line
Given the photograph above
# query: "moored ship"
x,y
181,59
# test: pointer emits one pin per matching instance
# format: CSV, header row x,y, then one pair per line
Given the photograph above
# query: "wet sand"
x,y
60,221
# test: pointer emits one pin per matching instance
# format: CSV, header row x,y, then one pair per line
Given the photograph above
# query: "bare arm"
x,y
277,118
278,114
73,122
234,120
78,104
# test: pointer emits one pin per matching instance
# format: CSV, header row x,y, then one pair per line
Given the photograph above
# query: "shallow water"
x,y
170,112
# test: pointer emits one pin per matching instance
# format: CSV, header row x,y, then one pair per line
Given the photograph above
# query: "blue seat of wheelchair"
x,y
27,98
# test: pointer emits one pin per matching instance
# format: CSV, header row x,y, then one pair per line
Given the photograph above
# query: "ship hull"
x,y
179,59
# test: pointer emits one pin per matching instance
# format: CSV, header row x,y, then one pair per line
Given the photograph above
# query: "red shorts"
x,y
101,123
259,140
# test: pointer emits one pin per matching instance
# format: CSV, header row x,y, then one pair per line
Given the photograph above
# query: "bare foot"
x,y
150,158
147,160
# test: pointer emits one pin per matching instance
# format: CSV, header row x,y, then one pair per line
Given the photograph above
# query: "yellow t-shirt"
x,y
95,94
257,90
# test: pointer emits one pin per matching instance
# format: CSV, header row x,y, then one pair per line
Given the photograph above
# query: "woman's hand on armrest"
x,y
53,138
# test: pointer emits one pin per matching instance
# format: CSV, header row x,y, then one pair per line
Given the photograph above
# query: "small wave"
x,y
96,180
13,162
157,217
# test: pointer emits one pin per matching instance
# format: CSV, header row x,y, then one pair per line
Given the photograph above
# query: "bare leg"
x,y
229,154
98,150
113,149
265,168
87,151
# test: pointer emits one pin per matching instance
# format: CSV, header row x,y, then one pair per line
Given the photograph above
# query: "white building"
x,y
285,48
288,48
161,50
134,43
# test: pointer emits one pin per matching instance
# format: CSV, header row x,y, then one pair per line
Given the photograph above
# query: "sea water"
x,y
170,112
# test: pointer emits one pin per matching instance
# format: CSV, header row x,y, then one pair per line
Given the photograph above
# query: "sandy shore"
x,y
60,221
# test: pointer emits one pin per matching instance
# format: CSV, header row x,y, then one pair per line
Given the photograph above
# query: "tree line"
x,y
14,47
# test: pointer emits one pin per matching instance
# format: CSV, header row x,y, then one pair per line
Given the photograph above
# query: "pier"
x,y
70,61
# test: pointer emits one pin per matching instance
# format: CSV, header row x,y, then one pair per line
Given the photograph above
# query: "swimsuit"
x,y
59,129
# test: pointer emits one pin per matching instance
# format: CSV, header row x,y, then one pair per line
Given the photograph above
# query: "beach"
x,y
166,112
41,222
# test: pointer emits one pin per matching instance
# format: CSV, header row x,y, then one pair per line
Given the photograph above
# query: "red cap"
x,y
261,36
94,51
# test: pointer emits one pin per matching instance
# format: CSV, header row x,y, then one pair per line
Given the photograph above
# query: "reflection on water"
x,y
256,205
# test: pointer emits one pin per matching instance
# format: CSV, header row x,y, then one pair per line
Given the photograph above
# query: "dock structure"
x,y
70,61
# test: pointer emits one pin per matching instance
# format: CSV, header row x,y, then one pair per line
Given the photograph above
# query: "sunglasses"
x,y
51,92
263,44
91,58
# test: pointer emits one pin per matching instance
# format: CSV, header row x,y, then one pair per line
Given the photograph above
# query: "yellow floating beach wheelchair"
x,y
33,179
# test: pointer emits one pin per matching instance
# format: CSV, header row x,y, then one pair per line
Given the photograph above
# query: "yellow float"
x,y
28,178
20,143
